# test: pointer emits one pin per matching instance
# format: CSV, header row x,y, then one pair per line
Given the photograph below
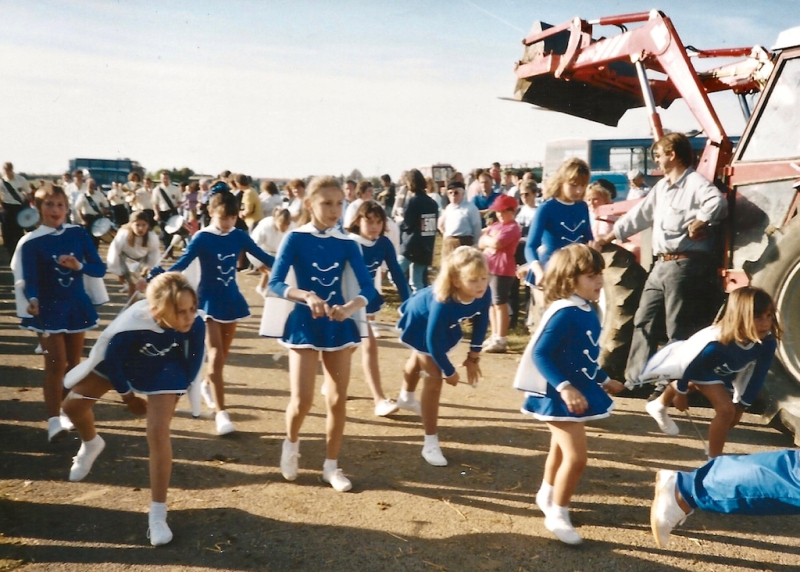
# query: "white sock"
x,y
407,395
158,511
561,512
294,447
330,465
91,443
432,440
501,339
51,419
547,491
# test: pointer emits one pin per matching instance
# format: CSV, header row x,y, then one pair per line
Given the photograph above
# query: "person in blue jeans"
x,y
418,231
761,484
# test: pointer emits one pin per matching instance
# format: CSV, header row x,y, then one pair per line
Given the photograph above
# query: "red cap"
x,y
504,203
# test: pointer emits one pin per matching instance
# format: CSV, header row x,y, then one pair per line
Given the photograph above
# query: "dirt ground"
x,y
230,509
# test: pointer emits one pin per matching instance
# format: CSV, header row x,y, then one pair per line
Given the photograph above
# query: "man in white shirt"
x,y
166,198
364,192
15,195
460,223
74,190
90,206
682,289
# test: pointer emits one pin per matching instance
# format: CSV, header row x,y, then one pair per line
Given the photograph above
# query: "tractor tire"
x,y
624,280
778,272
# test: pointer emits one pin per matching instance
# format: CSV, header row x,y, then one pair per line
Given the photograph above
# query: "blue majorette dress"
x,y
218,293
66,297
329,264
134,353
564,348
704,360
434,328
376,252
555,225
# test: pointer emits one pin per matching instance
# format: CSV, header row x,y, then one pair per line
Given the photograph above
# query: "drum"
x,y
176,224
104,229
28,218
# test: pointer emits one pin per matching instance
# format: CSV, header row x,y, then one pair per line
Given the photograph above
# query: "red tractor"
x,y
565,69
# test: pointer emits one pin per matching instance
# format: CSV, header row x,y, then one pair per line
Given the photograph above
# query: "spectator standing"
x,y
460,223
432,188
119,206
166,198
270,197
487,196
73,191
15,192
637,188
90,206
528,192
387,195
400,199
474,188
251,210
296,189
596,196
499,245
418,231
682,290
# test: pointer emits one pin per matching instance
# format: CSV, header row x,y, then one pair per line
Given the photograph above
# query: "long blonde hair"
x,y
563,269
312,192
738,321
573,170
165,289
464,261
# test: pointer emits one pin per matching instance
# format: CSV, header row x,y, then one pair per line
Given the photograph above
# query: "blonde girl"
x,y
328,285
134,249
565,385
430,326
155,347
562,219
49,267
368,228
727,363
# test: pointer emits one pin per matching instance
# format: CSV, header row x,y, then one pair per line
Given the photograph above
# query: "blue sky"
x,y
294,88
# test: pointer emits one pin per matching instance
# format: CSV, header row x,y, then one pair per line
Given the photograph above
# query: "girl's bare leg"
x,y
431,393
159,415
372,372
55,368
302,377
79,410
337,368
219,337
553,461
501,320
411,372
570,437
725,416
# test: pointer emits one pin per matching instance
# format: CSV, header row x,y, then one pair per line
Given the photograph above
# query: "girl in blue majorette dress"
x,y
57,280
565,385
727,362
368,228
322,279
155,347
217,249
430,325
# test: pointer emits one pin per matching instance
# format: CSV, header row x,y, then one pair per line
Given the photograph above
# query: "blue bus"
x,y
612,158
107,171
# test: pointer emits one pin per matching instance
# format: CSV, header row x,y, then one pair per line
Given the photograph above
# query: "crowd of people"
x,y
320,250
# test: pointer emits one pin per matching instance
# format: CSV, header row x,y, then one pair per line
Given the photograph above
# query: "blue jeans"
x,y
759,484
419,273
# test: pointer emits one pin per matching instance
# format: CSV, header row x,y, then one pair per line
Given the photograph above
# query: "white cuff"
x,y
561,386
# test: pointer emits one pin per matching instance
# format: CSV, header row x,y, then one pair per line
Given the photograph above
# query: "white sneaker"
x,y
496,346
658,412
224,425
66,423
289,461
665,512
83,461
159,533
261,291
337,480
562,529
433,454
55,431
385,407
208,394
410,404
